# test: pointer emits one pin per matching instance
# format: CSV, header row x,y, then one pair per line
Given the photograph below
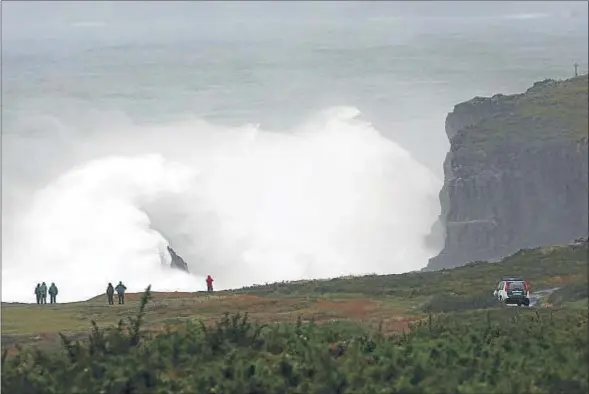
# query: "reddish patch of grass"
x,y
398,324
158,296
351,308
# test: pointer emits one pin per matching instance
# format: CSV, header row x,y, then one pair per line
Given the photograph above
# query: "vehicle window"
x,y
516,285
500,286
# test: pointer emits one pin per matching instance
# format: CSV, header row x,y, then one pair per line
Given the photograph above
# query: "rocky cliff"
x,y
516,175
177,261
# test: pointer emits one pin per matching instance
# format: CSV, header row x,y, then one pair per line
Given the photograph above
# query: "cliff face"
x,y
177,261
516,174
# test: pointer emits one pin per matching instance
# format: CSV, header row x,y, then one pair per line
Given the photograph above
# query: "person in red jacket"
x,y
209,284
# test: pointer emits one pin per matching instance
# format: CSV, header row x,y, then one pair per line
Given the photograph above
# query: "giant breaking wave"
x,y
331,197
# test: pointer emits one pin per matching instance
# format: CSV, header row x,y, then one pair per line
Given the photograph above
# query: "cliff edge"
x,y
516,173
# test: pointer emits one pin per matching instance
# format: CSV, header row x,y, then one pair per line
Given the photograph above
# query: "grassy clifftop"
x,y
549,110
545,266
527,352
392,300
371,334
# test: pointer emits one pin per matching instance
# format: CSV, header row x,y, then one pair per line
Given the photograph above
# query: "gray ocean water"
x,y
72,70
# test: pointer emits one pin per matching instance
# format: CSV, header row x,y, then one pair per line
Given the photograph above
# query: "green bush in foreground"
x,y
500,351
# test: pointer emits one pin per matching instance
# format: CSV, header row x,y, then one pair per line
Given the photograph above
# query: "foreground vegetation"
x,y
393,300
420,332
503,352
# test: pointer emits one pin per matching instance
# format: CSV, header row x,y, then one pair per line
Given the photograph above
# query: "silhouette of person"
x,y
110,292
121,292
38,293
43,292
53,293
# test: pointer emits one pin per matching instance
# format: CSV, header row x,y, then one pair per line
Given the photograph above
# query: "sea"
x,y
263,141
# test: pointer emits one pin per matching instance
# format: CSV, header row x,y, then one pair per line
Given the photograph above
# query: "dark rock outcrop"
x,y
516,174
177,261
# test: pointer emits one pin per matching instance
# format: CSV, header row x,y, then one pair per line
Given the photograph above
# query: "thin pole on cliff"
x,y
576,67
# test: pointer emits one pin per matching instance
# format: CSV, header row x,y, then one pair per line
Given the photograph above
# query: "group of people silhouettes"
x,y
121,288
41,292
110,293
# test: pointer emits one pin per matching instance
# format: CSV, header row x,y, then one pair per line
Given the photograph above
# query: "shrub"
x,y
498,351
454,302
569,292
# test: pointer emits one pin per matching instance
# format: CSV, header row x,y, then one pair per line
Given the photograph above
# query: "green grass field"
x,y
391,300
420,332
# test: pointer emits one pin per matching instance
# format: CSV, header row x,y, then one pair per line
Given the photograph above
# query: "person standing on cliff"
x,y
209,284
110,294
121,292
43,292
38,293
53,293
